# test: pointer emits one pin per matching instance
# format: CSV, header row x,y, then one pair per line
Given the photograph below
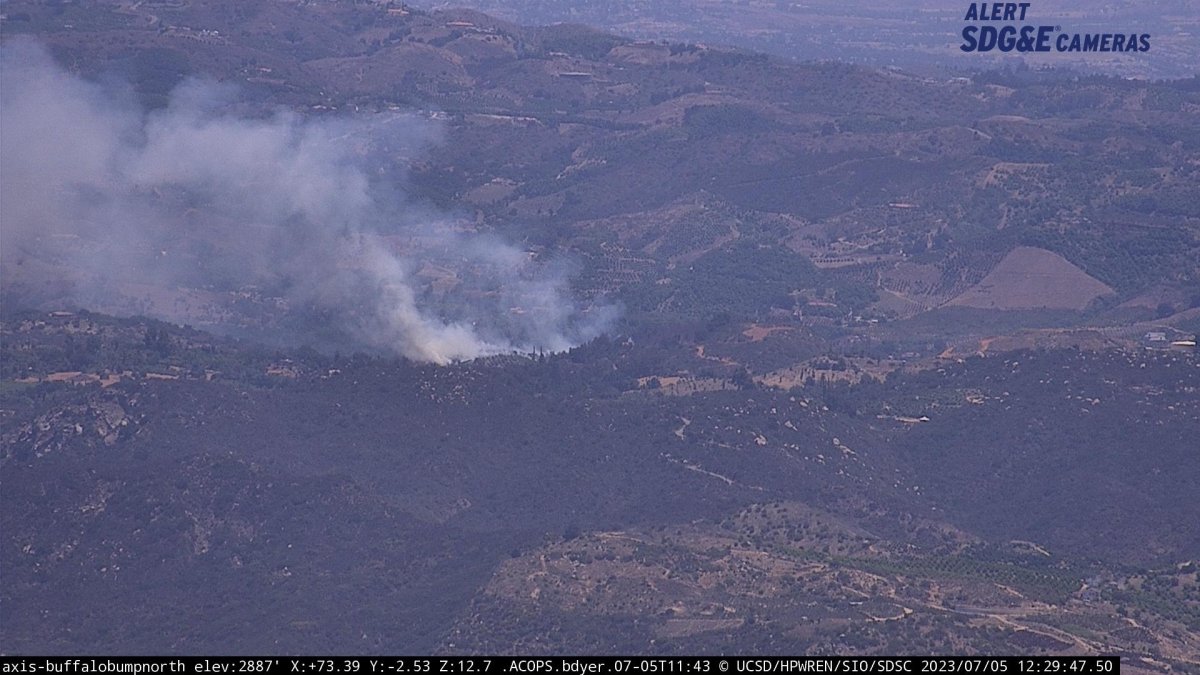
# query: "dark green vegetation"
x,y
212,497
797,442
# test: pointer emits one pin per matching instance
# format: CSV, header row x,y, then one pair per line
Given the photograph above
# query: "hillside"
x,y
1031,278
553,504
350,327
567,138
918,35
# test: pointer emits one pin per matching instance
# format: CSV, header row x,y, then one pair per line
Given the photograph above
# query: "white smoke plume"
x,y
101,201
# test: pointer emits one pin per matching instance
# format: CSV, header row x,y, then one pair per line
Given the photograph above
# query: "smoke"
x,y
205,212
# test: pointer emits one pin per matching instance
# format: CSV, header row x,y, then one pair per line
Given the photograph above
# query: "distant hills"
x,y
923,35
565,136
